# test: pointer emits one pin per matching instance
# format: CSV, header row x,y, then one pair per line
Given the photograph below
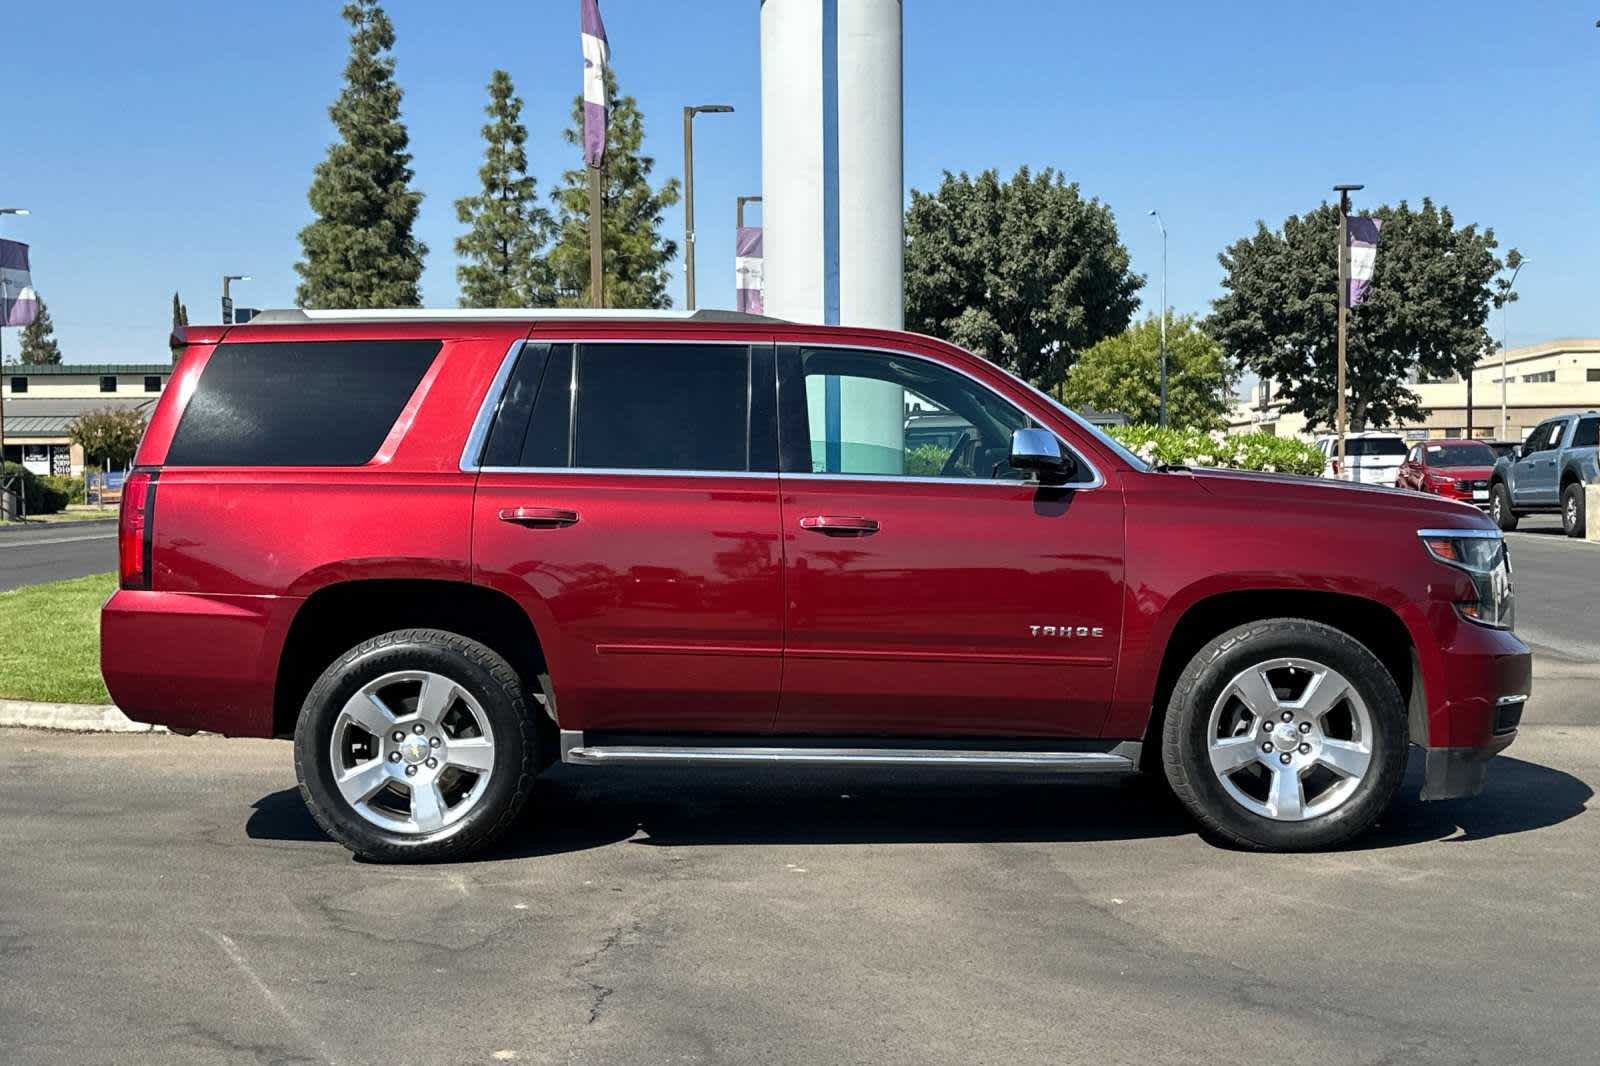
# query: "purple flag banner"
x,y
596,54
748,270
18,302
1363,232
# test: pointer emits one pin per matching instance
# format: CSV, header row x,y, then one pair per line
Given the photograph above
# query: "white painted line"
x,y
54,540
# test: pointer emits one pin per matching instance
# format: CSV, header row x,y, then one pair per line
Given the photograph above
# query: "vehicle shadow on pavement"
x,y
575,809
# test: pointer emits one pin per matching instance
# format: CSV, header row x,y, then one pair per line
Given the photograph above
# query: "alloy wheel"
x,y
1290,739
412,752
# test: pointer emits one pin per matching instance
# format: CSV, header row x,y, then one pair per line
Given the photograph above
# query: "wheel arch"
x,y
339,616
1370,622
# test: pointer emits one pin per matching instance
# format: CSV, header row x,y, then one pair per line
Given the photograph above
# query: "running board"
x,y
1119,757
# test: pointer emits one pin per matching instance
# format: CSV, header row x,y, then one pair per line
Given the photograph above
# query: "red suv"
x,y
444,550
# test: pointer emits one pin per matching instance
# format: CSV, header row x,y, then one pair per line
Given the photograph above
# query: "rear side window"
x,y
637,406
326,403
1587,434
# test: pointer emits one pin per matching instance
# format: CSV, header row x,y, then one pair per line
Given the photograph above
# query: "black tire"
x,y
1184,743
1500,507
472,667
1572,510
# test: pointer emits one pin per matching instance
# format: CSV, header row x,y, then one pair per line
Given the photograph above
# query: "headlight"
x,y
1481,554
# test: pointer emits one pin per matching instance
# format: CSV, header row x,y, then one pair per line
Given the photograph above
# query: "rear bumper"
x,y
189,661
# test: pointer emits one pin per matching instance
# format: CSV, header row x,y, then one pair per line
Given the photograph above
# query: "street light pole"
x,y
4,296
1157,216
688,191
1344,192
227,300
1505,334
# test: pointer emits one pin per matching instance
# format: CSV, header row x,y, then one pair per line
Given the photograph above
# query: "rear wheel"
x,y
416,745
1500,507
1285,734
1572,510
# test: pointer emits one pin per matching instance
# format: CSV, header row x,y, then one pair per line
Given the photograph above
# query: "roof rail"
x,y
302,316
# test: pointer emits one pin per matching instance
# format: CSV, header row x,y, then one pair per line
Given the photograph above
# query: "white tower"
x,y
832,177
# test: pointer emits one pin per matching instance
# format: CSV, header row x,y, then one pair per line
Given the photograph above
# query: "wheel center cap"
x,y
414,749
1285,739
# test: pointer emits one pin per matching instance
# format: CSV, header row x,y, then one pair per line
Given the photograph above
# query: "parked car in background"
x,y
1548,473
1371,457
1454,469
1502,448
443,550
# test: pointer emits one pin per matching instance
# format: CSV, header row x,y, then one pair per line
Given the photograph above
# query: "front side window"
x,y
876,414
636,406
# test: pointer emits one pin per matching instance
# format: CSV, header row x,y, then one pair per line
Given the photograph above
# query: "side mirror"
x,y
1038,452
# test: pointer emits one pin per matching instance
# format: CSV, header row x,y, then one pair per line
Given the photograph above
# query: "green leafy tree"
x,y
360,251
1025,272
180,313
1424,315
504,265
636,254
39,345
109,436
1123,373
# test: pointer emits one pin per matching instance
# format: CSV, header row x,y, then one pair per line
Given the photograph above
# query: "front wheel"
x,y
415,746
1285,734
1572,510
1500,507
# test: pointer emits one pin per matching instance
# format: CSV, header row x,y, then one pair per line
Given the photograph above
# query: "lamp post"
x,y
1344,192
1504,337
227,300
1157,216
688,190
4,295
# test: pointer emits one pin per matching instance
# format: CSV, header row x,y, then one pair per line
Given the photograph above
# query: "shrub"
x,y
38,497
1245,451
926,460
72,486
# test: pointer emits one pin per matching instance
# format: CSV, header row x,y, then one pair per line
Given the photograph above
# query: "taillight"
x,y
133,529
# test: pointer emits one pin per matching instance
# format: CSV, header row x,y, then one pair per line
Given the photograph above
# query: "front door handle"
x,y
840,525
539,517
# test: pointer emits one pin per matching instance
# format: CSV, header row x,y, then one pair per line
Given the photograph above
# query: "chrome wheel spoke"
x,y
369,712
1323,693
472,754
427,806
1254,692
1228,755
1345,758
360,783
1286,799
437,696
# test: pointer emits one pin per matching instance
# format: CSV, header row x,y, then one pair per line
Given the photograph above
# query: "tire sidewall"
x,y
1500,507
1208,675
389,654
1572,511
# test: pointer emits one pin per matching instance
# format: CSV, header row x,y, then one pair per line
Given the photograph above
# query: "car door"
x,y
1534,475
628,499
932,591
1413,472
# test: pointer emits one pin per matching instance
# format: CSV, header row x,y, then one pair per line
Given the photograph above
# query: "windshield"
x,y
1460,455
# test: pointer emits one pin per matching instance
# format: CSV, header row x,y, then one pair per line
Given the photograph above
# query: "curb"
x,y
71,717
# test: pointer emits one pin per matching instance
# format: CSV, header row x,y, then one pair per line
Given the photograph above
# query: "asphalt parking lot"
x,y
169,900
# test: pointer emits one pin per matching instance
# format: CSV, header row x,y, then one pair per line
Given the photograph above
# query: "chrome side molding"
x,y
1121,758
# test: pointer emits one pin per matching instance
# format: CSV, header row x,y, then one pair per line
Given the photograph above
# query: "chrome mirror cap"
x,y
1038,452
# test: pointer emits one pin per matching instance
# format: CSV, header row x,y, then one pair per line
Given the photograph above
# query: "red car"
x,y
444,550
1455,469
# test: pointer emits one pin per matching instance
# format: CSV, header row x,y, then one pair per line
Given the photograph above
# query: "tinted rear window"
x,y
1588,433
328,403
1374,446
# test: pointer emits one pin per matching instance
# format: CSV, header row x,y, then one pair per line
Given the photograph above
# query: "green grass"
x,y
50,641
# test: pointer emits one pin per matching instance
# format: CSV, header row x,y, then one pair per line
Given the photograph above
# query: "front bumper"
x,y
1458,773
1474,713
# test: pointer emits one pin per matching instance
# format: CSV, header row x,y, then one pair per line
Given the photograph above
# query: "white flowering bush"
x,y
1244,451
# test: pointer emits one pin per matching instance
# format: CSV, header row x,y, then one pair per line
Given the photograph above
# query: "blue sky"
x,y
160,149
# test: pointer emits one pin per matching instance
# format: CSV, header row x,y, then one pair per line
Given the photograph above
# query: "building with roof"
x,y
40,403
1541,380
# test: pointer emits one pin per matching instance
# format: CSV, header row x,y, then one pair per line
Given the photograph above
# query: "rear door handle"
x,y
834,525
539,517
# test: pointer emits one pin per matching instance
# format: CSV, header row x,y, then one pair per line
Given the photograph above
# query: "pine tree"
x,y
39,345
504,265
180,313
636,255
360,251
